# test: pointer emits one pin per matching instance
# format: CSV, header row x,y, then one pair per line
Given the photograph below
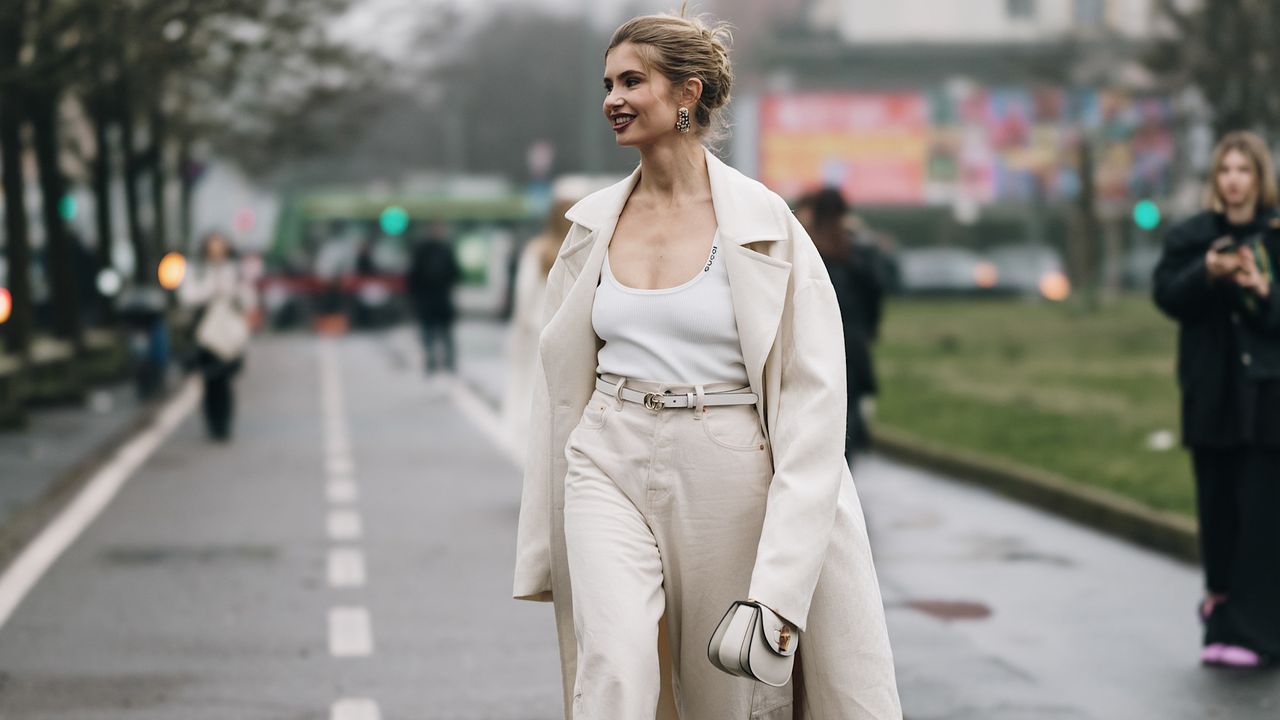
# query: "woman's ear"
x,y
691,92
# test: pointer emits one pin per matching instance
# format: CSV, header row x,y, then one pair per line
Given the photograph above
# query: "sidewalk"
x,y
44,460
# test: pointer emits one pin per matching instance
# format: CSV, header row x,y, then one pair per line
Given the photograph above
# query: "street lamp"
x,y
173,268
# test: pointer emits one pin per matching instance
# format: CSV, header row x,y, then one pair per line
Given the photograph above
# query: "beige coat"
x,y
813,564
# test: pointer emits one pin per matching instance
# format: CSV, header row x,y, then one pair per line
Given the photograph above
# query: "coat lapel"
x,y
757,281
758,284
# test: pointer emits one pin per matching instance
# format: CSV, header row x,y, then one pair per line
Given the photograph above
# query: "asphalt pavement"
x,y
348,556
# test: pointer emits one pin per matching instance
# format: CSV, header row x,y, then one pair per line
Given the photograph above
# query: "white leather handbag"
x,y
223,331
753,642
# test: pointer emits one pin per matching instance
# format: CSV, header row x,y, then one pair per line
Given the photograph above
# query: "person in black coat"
x,y
859,289
1217,279
433,273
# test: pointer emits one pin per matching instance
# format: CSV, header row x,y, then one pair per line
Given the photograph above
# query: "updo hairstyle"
x,y
682,48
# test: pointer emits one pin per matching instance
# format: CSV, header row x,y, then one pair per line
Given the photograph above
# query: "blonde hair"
x,y
554,234
681,48
1255,149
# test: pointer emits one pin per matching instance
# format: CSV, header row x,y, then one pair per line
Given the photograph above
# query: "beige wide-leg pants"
x,y
663,511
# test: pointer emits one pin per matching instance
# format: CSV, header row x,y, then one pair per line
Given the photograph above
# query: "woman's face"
x,y
1237,183
637,101
216,250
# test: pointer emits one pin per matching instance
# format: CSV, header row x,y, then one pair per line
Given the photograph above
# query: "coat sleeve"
x,y
533,534
808,444
1182,287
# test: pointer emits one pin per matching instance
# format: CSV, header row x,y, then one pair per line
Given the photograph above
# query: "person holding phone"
x,y
1217,279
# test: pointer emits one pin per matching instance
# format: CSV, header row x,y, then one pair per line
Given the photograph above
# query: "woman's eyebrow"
x,y
625,74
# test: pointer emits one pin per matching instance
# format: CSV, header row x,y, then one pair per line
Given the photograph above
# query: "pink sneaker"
x,y
1236,656
1212,654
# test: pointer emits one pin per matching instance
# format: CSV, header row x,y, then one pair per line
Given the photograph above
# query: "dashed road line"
x,y
340,492
350,632
344,525
355,709
346,568
340,466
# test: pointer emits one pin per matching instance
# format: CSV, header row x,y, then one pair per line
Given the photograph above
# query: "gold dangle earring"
x,y
682,120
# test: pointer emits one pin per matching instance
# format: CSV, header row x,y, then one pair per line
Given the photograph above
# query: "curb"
x,y
1168,533
25,524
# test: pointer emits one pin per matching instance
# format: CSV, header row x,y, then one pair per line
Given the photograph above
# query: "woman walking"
x,y
530,289
1217,279
691,387
223,298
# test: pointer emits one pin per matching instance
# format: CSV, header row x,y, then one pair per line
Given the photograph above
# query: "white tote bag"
x,y
223,331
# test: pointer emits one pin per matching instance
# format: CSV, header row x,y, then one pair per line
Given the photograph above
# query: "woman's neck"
x,y
1241,214
670,173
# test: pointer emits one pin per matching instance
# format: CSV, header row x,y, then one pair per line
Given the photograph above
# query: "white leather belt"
x,y
654,401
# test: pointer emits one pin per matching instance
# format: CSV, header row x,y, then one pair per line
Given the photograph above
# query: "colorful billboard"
x,y
990,145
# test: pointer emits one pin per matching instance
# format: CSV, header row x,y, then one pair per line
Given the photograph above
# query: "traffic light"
x,y
394,220
1146,214
6,305
67,208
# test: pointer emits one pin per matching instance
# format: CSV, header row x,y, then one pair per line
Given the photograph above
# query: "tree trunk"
x,y
188,189
159,178
144,263
62,258
1088,230
17,330
102,215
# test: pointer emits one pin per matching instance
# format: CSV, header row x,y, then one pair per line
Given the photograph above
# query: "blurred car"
x,y
939,270
1029,270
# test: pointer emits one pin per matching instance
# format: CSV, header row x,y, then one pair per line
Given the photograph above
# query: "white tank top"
x,y
683,335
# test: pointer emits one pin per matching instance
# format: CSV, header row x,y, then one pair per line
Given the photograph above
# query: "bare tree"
x,y
1227,49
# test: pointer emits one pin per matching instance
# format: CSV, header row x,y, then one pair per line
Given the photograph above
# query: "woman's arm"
x,y
196,289
1185,286
808,443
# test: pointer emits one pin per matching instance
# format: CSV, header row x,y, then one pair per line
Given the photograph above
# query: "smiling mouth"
x,y
621,121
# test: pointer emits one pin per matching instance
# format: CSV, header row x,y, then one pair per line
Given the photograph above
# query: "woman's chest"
x,y
652,250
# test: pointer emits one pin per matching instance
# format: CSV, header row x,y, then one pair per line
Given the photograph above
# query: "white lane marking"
x,y
344,525
350,632
485,418
35,560
341,491
346,568
355,709
340,466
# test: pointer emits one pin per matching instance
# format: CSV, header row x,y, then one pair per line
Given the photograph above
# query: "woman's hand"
x,y
1248,276
1221,263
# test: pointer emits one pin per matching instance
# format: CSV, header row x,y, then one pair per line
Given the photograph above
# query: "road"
x,y
348,557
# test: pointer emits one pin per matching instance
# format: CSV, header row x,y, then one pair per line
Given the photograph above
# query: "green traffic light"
x,y
394,220
1146,215
67,208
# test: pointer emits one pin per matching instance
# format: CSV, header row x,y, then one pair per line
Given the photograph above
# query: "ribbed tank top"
x,y
682,335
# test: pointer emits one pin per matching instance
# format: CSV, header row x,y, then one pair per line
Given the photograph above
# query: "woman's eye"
x,y
632,82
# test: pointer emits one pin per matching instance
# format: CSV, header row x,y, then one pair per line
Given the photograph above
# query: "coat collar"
x,y
745,210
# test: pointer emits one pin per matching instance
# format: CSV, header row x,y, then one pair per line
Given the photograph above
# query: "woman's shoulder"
x,y
1199,228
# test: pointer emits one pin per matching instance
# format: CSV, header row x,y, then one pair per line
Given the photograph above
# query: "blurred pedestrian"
x,y
527,320
433,273
856,277
691,390
223,298
1217,279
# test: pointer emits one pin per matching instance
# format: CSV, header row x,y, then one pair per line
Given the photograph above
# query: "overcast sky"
x,y
388,25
